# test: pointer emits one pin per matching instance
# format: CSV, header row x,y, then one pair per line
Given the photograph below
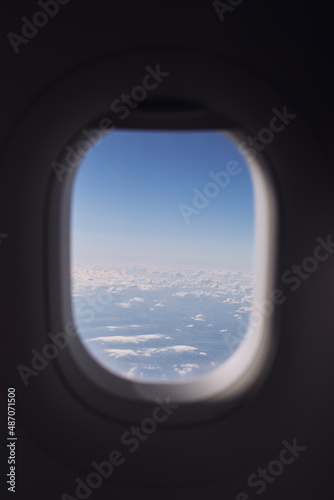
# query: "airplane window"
x,y
162,250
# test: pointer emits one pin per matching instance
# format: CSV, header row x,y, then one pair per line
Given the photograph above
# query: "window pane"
x,y
162,237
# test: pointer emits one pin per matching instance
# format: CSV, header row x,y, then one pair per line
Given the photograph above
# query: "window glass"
x,y
162,250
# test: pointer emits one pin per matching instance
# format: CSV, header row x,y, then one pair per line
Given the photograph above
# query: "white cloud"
x,y
183,348
112,328
129,303
152,350
131,373
187,368
199,317
244,309
121,353
117,353
123,339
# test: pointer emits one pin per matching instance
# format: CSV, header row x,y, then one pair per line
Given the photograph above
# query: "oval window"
x,y
162,252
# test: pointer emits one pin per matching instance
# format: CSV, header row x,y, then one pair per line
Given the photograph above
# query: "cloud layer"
x,y
150,323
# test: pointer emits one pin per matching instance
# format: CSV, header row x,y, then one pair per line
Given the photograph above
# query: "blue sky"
x,y
127,195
